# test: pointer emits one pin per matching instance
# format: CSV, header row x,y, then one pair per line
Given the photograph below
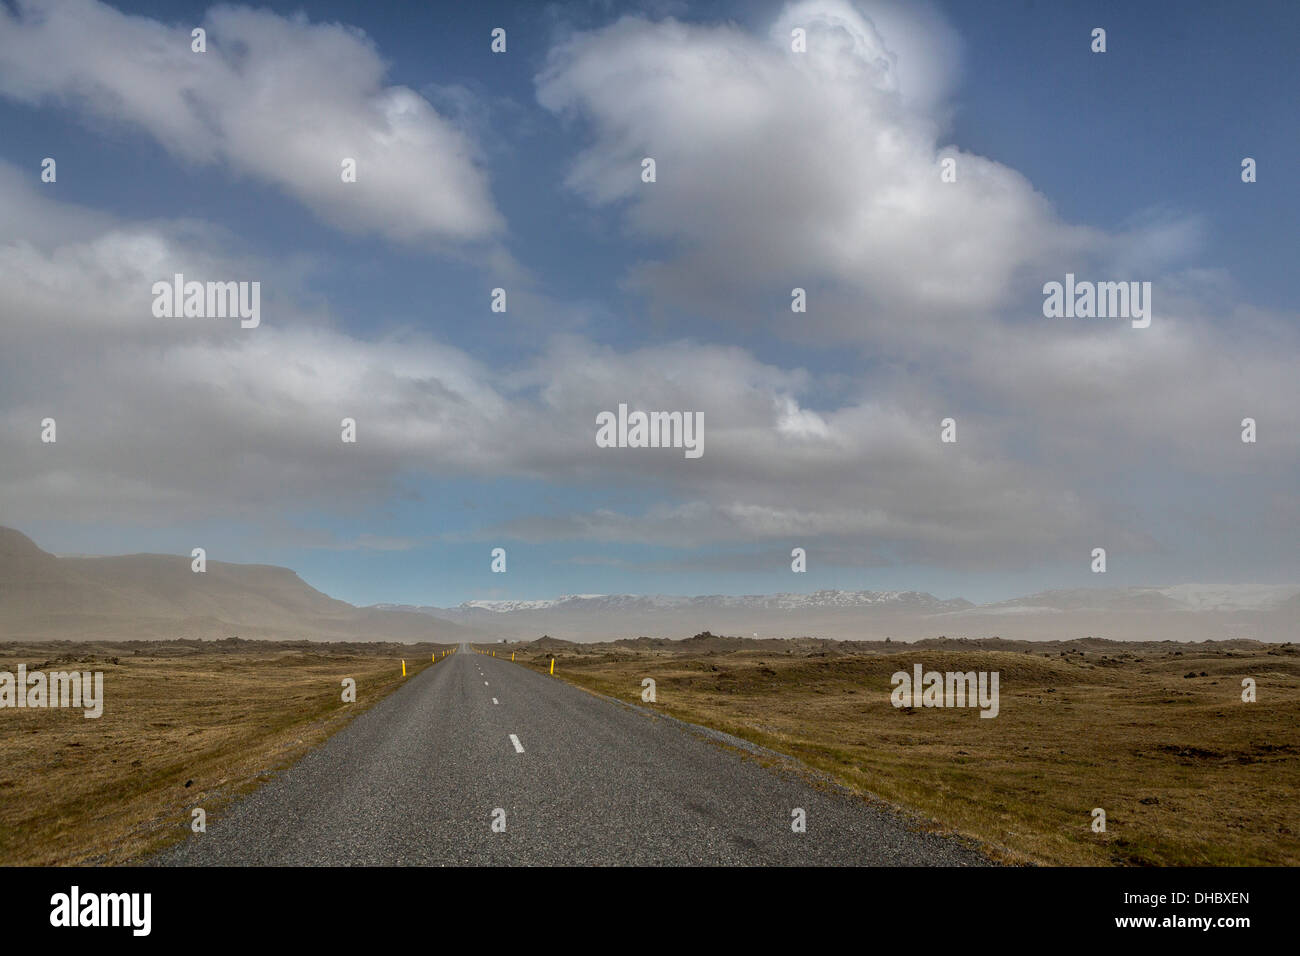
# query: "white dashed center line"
x,y
519,748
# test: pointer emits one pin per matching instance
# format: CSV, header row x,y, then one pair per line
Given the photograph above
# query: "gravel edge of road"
x,y
230,797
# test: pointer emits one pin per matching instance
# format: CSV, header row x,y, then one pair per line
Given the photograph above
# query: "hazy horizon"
x,y
127,597
1204,585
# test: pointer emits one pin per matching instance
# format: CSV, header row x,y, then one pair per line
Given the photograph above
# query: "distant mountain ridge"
x,y
152,596
1180,612
782,601
159,596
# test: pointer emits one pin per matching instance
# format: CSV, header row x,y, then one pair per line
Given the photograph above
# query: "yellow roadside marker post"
x,y
552,666
512,657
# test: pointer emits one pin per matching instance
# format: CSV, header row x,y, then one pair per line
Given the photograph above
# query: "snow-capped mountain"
x,y
783,602
1180,612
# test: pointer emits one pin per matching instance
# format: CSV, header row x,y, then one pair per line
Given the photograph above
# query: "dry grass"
x,y
1187,773
185,724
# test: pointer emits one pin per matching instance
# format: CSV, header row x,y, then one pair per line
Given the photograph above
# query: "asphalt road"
x,y
419,779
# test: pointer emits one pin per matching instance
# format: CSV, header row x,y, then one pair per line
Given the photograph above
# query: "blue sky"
x,y
1122,165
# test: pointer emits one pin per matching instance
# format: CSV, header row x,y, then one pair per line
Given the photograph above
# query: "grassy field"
x,y
185,724
1157,735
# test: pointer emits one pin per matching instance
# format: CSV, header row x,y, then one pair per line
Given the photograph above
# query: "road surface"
x,y
472,741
